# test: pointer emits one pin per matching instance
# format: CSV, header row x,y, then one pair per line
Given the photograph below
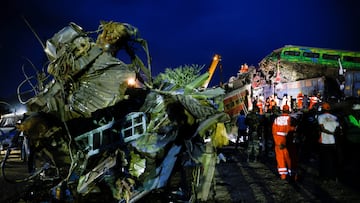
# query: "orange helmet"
x,y
285,107
325,106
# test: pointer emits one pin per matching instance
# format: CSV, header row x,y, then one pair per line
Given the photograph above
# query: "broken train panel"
x,y
86,74
138,149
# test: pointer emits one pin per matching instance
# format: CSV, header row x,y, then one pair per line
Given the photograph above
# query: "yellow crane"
x,y
212,68
203,80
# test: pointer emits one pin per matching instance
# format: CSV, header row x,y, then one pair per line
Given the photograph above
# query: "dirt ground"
x,y
242,181
237,180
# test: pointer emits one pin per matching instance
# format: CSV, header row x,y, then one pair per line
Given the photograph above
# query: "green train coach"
x,y
320,56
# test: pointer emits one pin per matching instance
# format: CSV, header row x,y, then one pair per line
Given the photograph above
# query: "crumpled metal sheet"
x,y
102,86
195,107
86,78
65,35
152,144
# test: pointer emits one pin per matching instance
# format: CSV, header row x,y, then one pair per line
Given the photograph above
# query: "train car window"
x,y
352,59
330,56
292,53
311,55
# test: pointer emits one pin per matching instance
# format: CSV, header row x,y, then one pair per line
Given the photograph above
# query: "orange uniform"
x,y
280,128
300,98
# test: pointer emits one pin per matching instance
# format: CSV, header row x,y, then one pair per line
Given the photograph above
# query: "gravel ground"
x,y
237,180
240,181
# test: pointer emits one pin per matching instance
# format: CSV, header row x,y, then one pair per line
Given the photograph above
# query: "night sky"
x,y
181,32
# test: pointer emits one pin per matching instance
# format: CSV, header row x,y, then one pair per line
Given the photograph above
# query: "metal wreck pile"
x,y
93,136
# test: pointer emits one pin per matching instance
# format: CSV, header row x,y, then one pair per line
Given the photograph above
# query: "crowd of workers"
x,y
298,130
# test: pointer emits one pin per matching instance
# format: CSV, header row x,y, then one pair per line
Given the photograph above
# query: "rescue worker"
x,y
260,105
242,129
267,105
299,99
293,140
306,101
313,100
277,100
280,129
244,68
285,101
253,122
273,104
329,127
268,142
292,103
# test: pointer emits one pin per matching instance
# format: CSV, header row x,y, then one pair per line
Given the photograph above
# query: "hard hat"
x,y
325,106
285,107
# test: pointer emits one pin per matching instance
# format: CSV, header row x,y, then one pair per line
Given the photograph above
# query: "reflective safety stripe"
x,y
283,171
281,133
282,120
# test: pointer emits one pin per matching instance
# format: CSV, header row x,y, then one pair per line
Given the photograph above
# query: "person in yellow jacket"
x,y
280,129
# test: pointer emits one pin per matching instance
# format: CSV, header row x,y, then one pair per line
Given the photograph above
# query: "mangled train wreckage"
x,y
92,136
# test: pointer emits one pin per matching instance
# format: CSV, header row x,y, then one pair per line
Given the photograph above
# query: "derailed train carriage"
x,y
94,137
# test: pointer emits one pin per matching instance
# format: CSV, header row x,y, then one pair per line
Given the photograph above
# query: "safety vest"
x,y
281,125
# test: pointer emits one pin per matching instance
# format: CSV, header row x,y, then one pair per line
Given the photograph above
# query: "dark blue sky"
x,y
182,31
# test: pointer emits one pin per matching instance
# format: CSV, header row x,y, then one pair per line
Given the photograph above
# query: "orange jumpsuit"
x,y
280,129
300,98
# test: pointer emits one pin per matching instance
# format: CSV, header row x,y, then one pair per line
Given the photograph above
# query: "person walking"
x,y
242,129
329,127
293,141
253,121
280,129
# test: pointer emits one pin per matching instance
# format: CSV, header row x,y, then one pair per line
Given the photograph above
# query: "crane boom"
x,y
212,68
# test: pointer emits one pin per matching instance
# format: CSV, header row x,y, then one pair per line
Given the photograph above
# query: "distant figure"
x,y
299,101
306,101
342,89
242,129
273,104
293,103
244,68
267,105
285,101
280,129
313,100
293,141
329,126
260,105
277,100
